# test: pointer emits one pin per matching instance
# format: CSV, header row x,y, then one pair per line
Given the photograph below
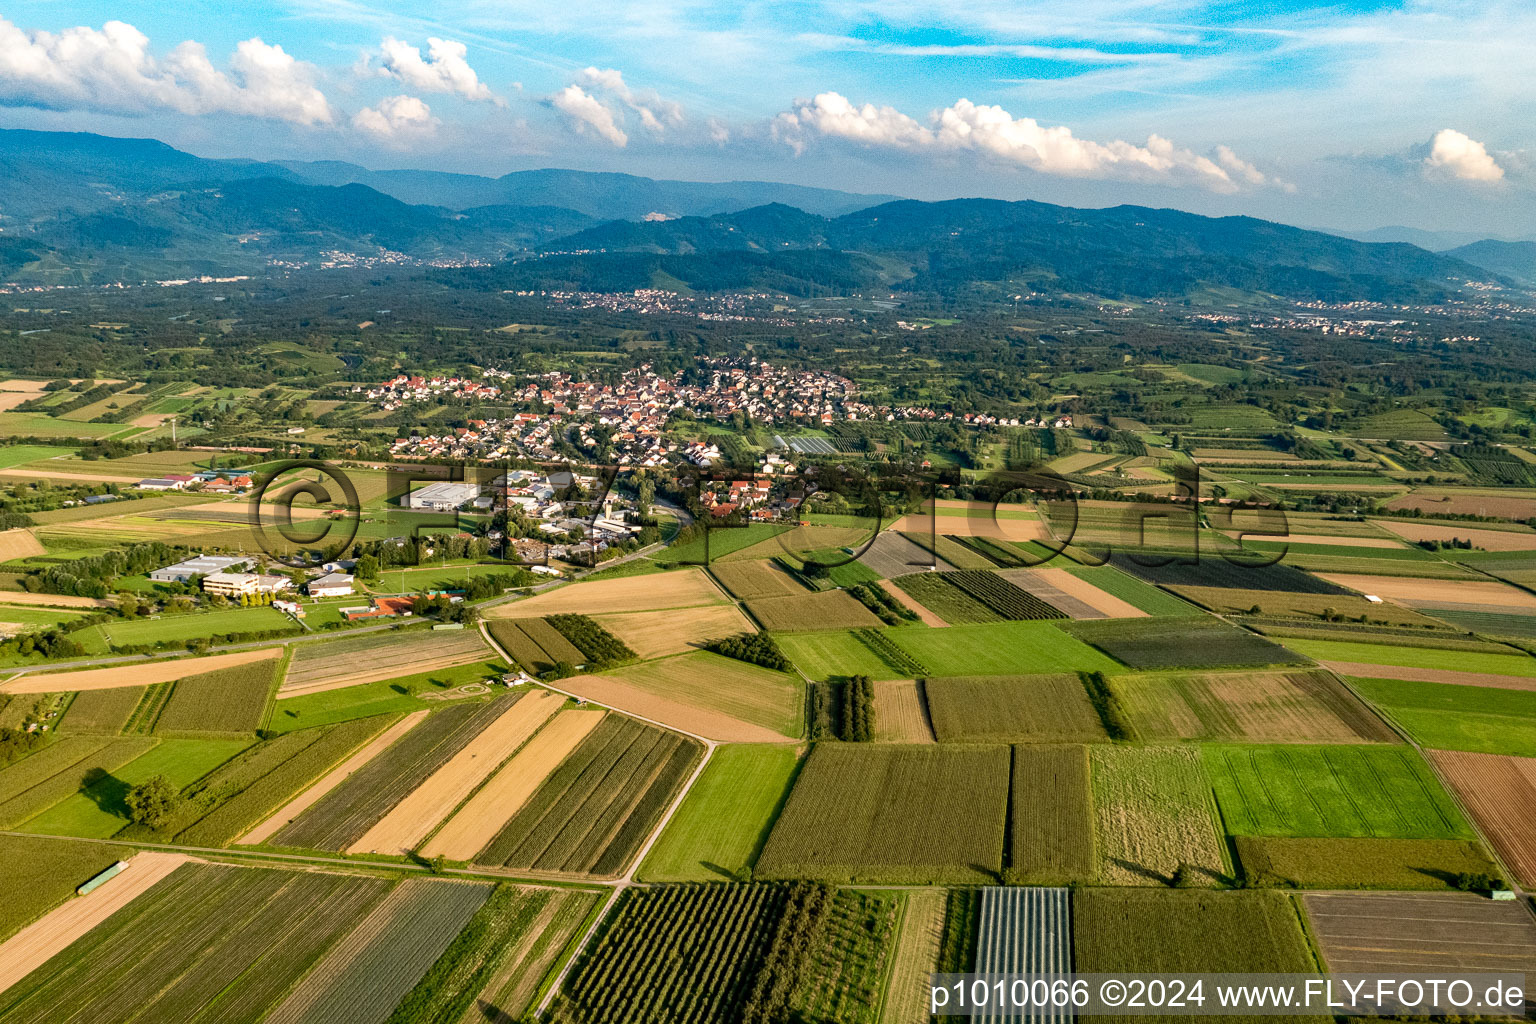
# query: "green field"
x,y
21,454
42,873
387,696
1449,716
1127,931
893,813
721,826
824,655
1154,815
1132,591
1417,657
1319,792
99,811
1013,709
1051,820
998,649
1154,643
721,541
177,629
1360,863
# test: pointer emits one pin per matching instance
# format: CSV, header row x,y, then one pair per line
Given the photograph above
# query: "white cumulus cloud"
x,y
396,119
445,69
589,114
112,69
992,131
1452,153
655,113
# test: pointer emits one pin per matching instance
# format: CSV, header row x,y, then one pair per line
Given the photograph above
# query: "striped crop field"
x,y
1025,931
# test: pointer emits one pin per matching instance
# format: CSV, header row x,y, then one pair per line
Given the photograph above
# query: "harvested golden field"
x,y
1484,595
1154,812
1327,540
409,821
40,941
674,630
133,675
478,821
333,664
1258,707
977,522
1489,540
901,715
703,694
335,777
1500,791
759,578
19,543
830,609
682,588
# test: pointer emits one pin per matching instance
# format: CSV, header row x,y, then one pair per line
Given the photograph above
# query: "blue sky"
x,y
1346,115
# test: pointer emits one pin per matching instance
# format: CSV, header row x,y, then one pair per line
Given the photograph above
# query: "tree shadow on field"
x,y
1141,869
105,790
404,691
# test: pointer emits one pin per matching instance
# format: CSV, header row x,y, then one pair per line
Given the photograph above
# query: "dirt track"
x,y
408,822
134,675
335,777
35,944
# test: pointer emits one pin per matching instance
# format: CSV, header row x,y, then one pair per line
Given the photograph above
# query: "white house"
x,y
334,584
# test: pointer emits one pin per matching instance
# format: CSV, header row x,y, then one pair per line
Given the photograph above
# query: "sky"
x,y
1348,115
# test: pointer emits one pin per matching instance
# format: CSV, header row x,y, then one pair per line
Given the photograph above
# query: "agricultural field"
x,y
133,674
718,542
99,809
893,555
512,785
334,664
662,633
1260,707
996,648
824,655
1460,665
901,712
404,694
704,693
1384,932
1127,931
1146,598
42,874
915,957
103,711
410,820
534,644
685,588
886,813
593,811
830,609
1356,863
60,770
380,961
1488,540
1498,791
1315,792
798,542
722,824
1307,607
492,971
1154,643
1051,838
1218,572
756,579
1074,597
950,603
1451,716
1473,595
1024,932
1013,709
254,930
230,700
176,630
1154,816
346,813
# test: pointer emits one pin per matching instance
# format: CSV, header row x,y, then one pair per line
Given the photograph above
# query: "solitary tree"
x,y
153,802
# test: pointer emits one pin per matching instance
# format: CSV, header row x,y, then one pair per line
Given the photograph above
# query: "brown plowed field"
x,y
614,693
134,675
479,820
1405,933
900,716
1422,593
334,664
54,600
1488,540
335,777
411,819
1500,791
1045,582
37,943
1429,675
19,543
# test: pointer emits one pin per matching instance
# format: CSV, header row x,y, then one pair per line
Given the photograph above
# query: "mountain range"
x,y
81,208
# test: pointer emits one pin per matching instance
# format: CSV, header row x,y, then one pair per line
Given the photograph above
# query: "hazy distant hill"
x,y
81,208
1512,259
